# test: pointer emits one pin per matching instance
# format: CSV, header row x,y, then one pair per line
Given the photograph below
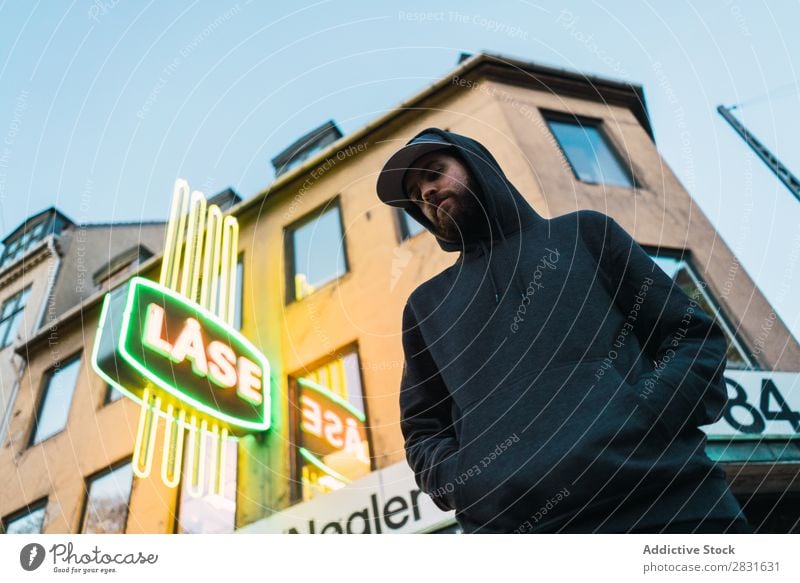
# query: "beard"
x,y
465,219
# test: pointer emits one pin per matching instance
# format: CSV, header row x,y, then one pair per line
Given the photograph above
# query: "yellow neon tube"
x,y
195,486
341,380
148,425
216,262
179,232
234,252
197,246
193,247
181,187
172,457
219,458
230,246
224,276
213,247
221,464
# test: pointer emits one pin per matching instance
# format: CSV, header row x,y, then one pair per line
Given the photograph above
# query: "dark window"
x,y
11,316
17,247
680,270
297,160
107,500
56,400
588,151
408,226
28,521
316,253
330,426
121,266
112,394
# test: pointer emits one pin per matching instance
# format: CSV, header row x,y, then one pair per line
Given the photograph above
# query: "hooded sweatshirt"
x,y
555,377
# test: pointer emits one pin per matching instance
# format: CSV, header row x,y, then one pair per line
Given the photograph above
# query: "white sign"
x,y
760,404
385,501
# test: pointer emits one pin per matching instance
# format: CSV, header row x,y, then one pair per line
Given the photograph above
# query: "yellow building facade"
x,y
326,270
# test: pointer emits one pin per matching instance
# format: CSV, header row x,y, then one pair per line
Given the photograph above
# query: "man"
x,y
554,376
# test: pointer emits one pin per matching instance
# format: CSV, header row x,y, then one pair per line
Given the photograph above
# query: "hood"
x,y
507,209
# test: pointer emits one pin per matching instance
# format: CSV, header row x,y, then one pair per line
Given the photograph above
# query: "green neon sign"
x,y
152,337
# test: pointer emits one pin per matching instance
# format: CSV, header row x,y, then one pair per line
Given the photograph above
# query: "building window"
x,y
685,276
107,500
316,253
11,316
588,151
205,511
28,521
21,244
306,146
121,266
332,444
408,225
56,400
112,394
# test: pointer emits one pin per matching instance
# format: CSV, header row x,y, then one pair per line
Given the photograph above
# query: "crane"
x,y
782,172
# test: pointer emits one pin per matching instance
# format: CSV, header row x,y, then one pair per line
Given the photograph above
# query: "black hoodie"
x,y
555,377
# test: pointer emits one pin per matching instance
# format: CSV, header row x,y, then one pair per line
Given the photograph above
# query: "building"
x,y
49,264
326,272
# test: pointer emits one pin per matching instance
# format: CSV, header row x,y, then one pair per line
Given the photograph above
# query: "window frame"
x,y
25,291
288,246
295,460
42,397
110,389
583,121
87,482
28,509
15,249
123,269
401,219
686,261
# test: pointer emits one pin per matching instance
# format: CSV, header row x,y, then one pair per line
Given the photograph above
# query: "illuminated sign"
x,y
330,424
332,438
152,337
385,501
171,346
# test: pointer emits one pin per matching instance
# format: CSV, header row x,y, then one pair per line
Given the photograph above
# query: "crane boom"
x,y
777,167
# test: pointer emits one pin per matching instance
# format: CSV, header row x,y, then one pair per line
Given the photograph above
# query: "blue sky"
x,y
103,103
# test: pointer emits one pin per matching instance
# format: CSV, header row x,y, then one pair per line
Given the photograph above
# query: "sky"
x,y
104,103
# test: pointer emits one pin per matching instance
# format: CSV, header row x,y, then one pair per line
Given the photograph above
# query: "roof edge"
x,y
469,65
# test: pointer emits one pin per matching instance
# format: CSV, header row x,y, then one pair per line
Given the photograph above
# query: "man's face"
x,y
443,188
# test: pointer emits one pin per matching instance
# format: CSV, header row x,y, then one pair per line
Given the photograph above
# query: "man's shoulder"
x,y
583,219
592,226
428,287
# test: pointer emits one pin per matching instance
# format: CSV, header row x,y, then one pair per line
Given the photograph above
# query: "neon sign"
x,y
335,448
330,424
171,347
164,341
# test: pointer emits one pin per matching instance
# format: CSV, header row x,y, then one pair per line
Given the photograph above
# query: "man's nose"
x,y
427,190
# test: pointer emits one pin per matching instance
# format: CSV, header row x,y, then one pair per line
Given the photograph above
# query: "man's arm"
x,y
687,346
425,419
